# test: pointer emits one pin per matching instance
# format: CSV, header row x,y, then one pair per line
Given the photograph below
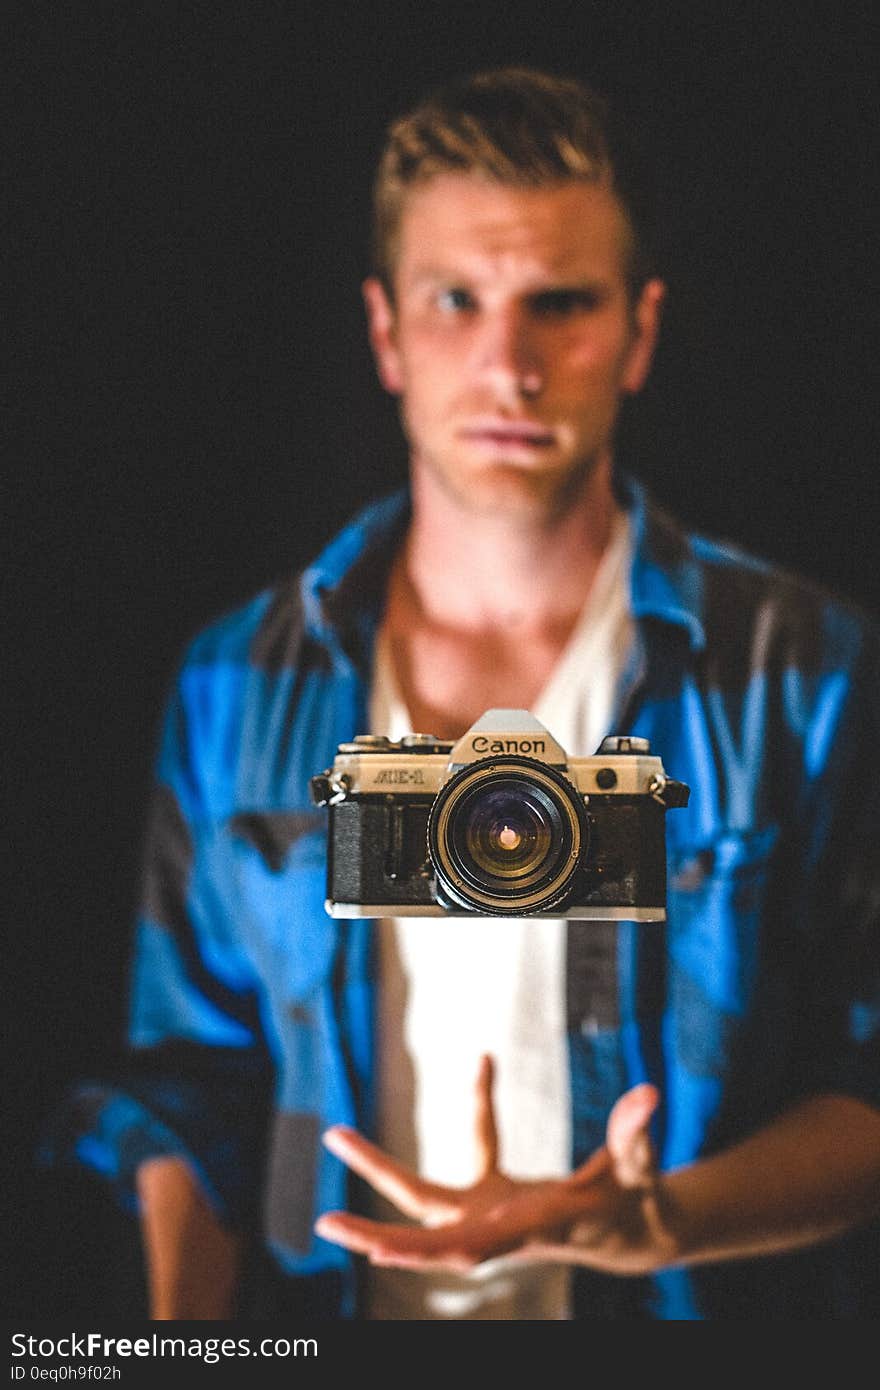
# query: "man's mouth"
x,y
508,434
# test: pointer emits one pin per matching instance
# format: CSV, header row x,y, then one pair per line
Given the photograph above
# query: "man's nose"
x,y
508,354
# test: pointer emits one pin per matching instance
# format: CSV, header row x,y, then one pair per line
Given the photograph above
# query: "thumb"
x,y
486,1129
628,1139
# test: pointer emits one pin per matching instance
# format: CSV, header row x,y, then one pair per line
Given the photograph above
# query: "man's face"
x,y
512,337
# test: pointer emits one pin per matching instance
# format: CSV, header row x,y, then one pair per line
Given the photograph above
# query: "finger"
x,y
522,1226
410,1247
485,1126
628,1137
597,1164
358,1233
409,1193
459,1247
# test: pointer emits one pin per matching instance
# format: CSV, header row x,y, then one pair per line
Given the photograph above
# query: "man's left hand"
x,y
608,1213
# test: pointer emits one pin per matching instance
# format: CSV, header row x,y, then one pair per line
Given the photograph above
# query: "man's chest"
x,y
448,679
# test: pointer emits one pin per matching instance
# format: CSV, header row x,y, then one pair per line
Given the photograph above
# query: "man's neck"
x,y
481,606
479,572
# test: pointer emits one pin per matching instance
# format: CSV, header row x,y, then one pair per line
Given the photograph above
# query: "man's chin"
x,y
508,491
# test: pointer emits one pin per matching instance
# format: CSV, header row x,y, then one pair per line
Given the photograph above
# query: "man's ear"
x,y
646,321
382,325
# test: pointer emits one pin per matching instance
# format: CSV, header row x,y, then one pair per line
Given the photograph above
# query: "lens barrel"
x,y
506,837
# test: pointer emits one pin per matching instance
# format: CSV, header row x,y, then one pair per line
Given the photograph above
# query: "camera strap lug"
x,y
329,788
668,792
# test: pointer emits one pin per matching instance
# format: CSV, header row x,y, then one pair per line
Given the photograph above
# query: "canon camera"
x,y
500,823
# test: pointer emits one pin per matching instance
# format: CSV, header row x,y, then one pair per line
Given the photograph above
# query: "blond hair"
x,y
517,126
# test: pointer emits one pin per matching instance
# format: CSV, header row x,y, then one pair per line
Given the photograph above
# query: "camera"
x,y
499,823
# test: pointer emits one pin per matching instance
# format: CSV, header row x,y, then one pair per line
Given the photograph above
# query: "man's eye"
x,y
562,303
455,300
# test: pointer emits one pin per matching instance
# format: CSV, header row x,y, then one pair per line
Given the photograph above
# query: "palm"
x,y
604,1213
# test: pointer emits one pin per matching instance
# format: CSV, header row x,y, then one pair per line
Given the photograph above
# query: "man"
x,y
694,1108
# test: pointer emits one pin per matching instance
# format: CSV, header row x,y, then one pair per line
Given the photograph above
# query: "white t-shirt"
x,y
453,988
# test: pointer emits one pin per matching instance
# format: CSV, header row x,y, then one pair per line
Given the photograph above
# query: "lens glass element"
x,y
506,836
505,831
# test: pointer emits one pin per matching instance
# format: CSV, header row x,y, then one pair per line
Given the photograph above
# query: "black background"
x,y
193,409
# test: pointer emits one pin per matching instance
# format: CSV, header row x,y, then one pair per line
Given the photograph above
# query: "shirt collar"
x,y
666,581
343,590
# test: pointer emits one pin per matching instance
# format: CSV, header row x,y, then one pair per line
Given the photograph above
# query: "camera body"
x,y
500,823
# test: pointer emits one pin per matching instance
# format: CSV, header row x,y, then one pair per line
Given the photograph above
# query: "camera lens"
x,y
506,830
506,837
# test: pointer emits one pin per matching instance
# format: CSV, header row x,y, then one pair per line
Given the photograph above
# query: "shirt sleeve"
x,y
196,1077
205,1105
841,1004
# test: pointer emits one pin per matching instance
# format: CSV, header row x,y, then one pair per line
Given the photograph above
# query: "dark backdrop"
x,y
193,406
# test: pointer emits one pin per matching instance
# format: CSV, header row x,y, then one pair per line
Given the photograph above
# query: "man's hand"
x,y
607,1214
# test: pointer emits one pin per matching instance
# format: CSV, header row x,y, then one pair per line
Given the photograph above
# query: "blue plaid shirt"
x,y
251,1008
